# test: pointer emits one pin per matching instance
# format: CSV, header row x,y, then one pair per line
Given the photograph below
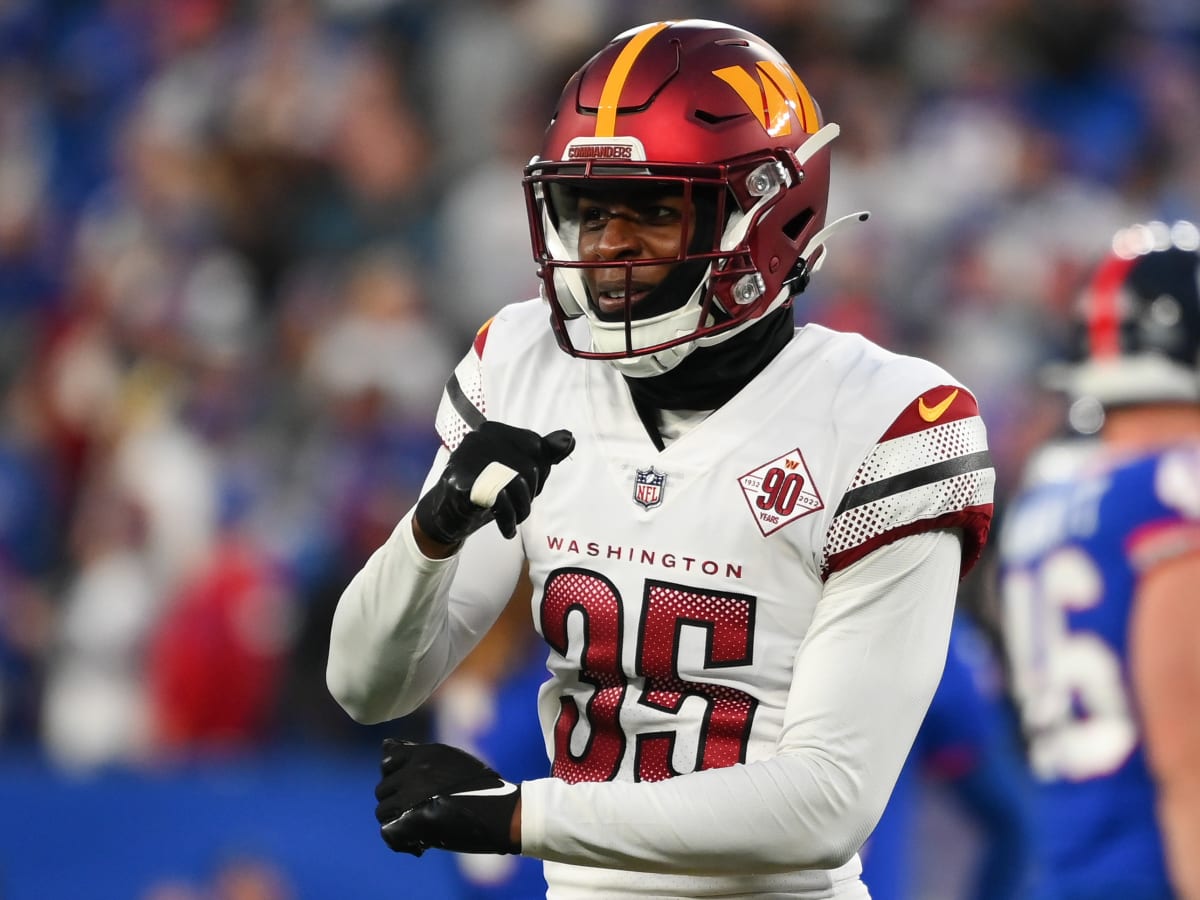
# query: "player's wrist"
x,y
432,547
514,828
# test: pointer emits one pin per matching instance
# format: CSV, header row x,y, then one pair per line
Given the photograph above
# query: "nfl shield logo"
x,y
648,487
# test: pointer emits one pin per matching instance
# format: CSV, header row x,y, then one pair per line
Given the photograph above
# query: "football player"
x,y
1099,574
745,539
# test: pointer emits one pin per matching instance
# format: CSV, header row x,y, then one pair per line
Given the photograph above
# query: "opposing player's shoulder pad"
x,y
1177,480
930,469
1176,532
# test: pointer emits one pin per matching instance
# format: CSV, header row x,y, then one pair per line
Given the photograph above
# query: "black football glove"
x,y
433,795
494,473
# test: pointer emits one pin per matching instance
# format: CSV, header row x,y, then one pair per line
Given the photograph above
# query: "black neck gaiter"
x,y
709,377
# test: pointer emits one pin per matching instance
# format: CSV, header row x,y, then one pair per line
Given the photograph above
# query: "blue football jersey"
x,y
1071,551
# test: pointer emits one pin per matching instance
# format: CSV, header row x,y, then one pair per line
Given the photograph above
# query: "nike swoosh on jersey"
x,y
933,413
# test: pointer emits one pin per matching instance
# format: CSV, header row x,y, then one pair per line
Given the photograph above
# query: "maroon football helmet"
x,y
695,109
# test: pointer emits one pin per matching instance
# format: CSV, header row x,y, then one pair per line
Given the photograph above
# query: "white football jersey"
x,y
675,588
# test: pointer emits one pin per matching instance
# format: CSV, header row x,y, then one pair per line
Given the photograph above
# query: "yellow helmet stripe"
x,y
610,97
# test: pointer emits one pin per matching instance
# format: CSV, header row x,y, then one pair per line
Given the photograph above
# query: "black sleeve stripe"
x,y
464,407
914,478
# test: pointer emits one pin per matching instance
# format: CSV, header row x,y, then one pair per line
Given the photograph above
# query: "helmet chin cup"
x,y
650,364
667,331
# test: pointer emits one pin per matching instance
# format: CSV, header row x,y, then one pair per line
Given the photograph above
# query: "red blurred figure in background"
x,y
217,655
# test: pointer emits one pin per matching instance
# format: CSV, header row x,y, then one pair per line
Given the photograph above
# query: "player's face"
x,y
619,226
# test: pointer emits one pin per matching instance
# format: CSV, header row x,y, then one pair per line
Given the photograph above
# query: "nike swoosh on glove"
x,y
434,795
494,473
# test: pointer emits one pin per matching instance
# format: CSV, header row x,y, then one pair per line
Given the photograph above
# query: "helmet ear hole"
x,y
797,280
795,226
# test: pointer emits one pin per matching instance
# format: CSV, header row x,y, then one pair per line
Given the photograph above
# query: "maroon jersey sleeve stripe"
x,y
974,521
937,406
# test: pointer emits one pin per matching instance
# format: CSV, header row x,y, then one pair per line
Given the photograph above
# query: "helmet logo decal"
x,y
620,148
648,487
610,96
775,96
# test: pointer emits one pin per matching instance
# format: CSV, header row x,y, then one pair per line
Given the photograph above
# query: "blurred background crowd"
x,y
243,243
